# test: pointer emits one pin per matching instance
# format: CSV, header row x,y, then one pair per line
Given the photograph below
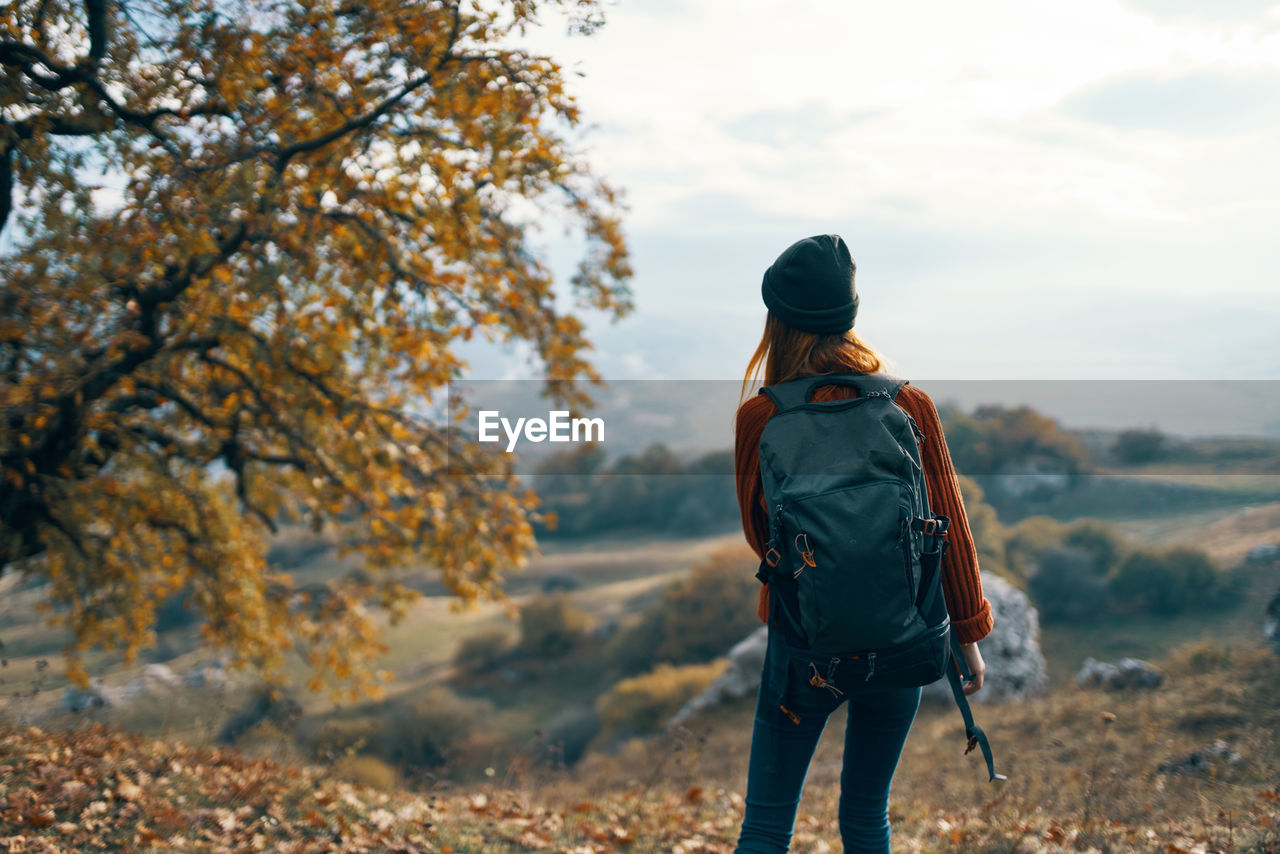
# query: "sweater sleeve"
x,y
961,582
752,416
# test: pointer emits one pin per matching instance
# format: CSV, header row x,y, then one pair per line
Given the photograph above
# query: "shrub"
x,y
1167,581
551,625
985,528
1064,586
1105,545
335,739
1026,540
484,650
631,650
1133,447
643,704
265,704
431,730
569,734
697,618
368,771
1201,657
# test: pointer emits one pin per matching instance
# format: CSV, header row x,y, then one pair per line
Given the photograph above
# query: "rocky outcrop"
x,y
96,696
1126,674
1015,665
209,676
1202,761
156,680
1271,623
1263,553
740,679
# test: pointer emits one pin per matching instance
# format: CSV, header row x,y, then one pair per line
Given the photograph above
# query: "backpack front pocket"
x,y
854,587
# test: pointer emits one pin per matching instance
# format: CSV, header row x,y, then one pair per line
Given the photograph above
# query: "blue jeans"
x,y
782,748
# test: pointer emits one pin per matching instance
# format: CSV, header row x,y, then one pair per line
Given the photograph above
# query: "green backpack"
x,y
854,554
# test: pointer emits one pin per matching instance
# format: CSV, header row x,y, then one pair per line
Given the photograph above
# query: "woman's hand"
x,y
978,667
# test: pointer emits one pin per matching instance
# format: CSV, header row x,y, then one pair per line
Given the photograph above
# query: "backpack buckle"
x,y
772,557
930,526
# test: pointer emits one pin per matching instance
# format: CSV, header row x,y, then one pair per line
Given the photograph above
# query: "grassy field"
x,y
1085,774
1077,781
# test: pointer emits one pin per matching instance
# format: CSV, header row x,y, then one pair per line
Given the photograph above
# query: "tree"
x,y
1134,447
319,201
997,439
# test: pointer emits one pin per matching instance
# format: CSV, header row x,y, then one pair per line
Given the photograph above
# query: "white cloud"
x,y
1006,173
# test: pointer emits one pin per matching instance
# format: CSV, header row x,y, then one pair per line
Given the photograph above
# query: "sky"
x,y
1031,190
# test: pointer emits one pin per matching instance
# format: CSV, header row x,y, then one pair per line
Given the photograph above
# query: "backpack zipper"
x,y
788,505
915,428
904,540
871,665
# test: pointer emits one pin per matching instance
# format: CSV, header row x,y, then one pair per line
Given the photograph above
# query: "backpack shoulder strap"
x,y
796,393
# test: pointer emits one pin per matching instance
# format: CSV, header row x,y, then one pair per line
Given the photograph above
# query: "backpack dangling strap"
x,y
972,731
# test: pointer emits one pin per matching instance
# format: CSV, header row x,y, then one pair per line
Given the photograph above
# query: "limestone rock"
x,y
1263,553
1127,673
1016,668
208,676
740,679
156,680
1202,760
96,696
1271,623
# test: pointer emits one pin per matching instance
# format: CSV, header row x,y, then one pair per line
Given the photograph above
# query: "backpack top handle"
x,y
799,392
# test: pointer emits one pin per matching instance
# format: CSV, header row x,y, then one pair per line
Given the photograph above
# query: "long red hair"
x,y
785,353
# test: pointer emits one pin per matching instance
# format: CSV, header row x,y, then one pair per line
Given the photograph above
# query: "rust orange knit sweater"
x,y
961,584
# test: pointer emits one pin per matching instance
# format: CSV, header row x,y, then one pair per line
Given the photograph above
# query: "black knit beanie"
x,y
810,286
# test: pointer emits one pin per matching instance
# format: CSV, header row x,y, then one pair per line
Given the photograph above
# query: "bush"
x,y
265,704
1105,545
569,734
1168,581
985,528
1201,657
335,739
551,625
433,730
1134,447
697,618
1026,540
367,771
643,704
631,650
1064,586
485,650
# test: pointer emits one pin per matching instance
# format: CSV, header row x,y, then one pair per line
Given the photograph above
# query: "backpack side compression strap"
x,y
971,730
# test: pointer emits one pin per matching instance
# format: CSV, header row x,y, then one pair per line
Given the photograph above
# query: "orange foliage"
x,y
319,200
